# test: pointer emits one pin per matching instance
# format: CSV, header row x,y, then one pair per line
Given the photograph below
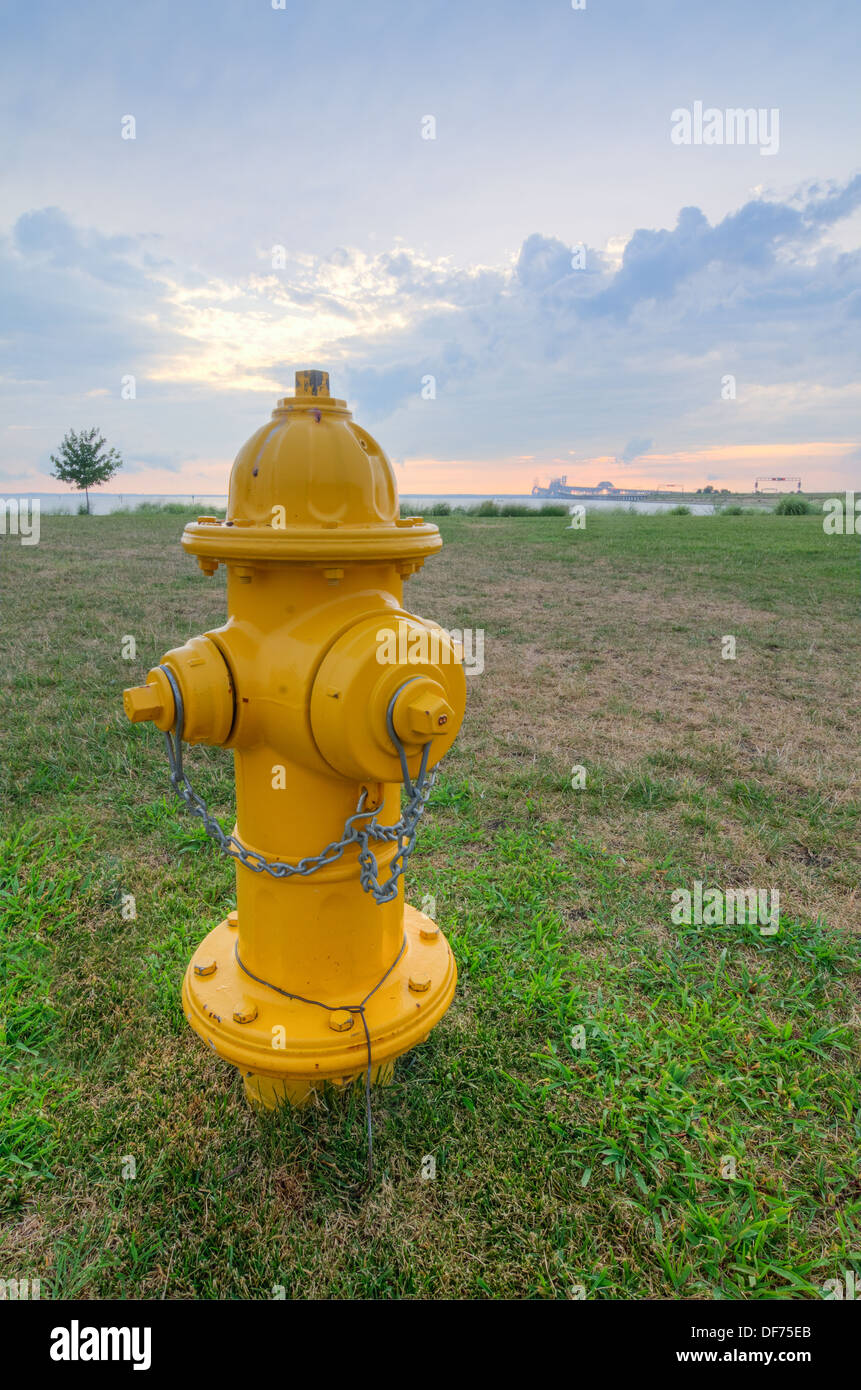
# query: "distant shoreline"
x,y
103,502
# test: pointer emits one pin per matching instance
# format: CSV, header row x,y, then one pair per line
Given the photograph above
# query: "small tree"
x,y
85,462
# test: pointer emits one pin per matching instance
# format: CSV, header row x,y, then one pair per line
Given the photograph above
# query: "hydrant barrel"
x,y
335,701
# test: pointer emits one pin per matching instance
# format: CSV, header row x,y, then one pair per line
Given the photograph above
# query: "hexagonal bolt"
x,y
420,983
341,1020
205,966
233,919
425,714
142,702
245,1013
429,931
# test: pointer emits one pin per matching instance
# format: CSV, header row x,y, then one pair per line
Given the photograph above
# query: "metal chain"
x,y
355,833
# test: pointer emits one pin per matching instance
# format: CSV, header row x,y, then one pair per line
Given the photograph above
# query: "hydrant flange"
x,y
290,1049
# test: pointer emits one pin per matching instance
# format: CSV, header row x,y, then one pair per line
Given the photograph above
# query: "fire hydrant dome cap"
x,y
312,484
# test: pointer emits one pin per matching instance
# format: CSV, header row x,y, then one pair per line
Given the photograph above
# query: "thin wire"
x,y
348,1008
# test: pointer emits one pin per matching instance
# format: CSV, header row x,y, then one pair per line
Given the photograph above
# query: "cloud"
x,y
553,357
543,262
47,238
537,355
167,462
834,204
634,448
77,305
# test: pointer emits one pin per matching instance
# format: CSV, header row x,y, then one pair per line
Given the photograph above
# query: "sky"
x,y
481,219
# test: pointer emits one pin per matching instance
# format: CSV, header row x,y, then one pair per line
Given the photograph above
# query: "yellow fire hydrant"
x,y
332,697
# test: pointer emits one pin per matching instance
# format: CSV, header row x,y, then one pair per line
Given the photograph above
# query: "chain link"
x,y
355,832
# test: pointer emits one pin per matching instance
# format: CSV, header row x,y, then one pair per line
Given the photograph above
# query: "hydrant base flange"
x,y
285,1048
268,1092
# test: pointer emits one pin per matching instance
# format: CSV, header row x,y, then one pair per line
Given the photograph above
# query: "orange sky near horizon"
x,y
821,466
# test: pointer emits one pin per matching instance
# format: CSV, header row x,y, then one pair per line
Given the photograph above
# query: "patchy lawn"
x,y
615,1103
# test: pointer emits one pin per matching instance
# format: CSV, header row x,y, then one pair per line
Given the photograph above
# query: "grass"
x,y
601,1072
795,506
489,508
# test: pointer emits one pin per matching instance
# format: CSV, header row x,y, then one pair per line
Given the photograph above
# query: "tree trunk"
x,y
87,493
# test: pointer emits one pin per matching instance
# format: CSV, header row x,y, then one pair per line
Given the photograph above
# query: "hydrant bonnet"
x,y
312,484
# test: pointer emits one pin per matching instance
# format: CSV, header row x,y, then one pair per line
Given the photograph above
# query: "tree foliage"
x,y
84,461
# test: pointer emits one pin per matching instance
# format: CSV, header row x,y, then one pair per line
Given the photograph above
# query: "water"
x,y
647,508
592,504
101,503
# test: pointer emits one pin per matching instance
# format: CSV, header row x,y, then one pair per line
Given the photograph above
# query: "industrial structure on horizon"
x,y
769,481
560,487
